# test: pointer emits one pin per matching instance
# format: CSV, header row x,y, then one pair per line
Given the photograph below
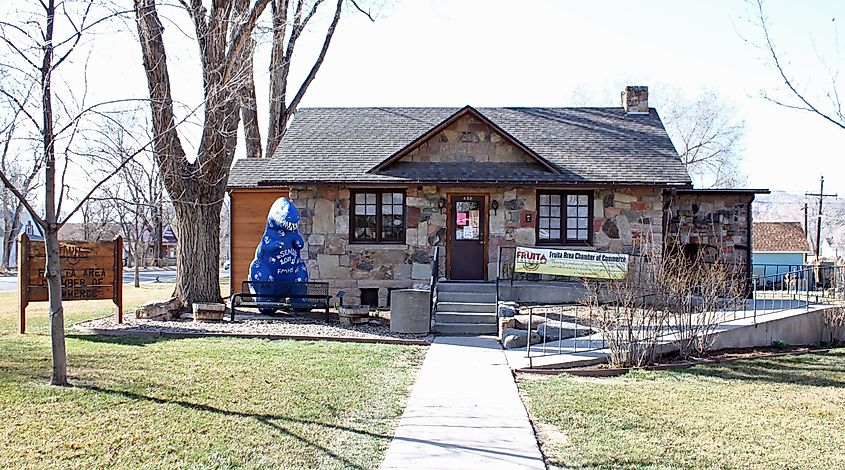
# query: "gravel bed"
x,y
251,324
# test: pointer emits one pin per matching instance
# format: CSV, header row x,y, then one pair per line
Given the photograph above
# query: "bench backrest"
x,y
312,288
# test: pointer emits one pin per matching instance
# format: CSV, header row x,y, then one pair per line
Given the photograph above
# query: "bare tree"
x,y
23,173
707,135
705,129
97,220
295,17
196,183
34,58
135,197
825,101
668,298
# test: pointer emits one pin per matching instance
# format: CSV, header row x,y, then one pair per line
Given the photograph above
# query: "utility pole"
x,y
805,220
821,195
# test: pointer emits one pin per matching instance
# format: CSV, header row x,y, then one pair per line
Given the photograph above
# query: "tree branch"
x,y
366,13
316,67
808,106
241,38
11,187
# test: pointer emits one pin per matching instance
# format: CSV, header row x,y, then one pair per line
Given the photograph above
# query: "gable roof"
x,y
572,146
465,111
786,237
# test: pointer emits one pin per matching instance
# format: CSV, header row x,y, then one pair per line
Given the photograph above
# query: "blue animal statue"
x,y
278,269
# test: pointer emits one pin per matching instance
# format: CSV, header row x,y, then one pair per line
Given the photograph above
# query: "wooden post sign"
x,y
90,271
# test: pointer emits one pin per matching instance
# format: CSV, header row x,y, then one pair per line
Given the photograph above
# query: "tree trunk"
x,y
57,320
198,251
7,231
249,108
7,250
137,279
11,229
159,234
51,228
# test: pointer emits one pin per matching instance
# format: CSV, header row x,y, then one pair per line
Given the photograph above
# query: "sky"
x,y
549,53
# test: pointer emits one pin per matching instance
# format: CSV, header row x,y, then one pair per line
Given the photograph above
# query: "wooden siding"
x,y
248,218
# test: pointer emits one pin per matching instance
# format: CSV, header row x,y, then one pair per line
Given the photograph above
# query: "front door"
x,y
467,230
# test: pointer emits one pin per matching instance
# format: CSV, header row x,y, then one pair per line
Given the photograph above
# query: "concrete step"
x,y
465,328
470,297
481,287
481,307
464,317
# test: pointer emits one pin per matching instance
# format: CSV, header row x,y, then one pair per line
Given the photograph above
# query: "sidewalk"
x,y
464,413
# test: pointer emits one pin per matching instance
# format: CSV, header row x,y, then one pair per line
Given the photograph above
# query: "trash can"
x,y
409,311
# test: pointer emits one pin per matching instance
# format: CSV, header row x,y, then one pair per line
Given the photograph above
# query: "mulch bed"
x,y
246,325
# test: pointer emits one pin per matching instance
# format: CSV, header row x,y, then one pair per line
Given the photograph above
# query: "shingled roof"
x,y
785,237
572,146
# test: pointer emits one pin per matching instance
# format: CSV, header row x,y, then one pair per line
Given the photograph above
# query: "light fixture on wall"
x,y
441,203
495,206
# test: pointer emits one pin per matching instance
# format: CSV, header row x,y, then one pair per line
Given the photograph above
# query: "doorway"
x,y
467,226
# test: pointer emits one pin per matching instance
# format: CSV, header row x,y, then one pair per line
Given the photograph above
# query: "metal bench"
x,y
282,295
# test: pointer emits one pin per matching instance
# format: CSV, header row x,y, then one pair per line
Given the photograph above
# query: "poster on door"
x,y
461,219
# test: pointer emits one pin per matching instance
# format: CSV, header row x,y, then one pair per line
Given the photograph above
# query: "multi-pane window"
x,y
563,218
378,216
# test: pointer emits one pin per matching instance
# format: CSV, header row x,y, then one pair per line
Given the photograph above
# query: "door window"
x,y
467,220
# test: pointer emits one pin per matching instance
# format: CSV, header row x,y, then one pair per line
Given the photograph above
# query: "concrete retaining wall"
x,y
543,293
800,329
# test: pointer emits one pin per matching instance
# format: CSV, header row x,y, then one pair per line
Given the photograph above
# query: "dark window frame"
x,y
378,239
563,241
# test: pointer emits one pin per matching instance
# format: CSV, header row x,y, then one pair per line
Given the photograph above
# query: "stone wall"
x,y
625,220
468,139
351,267
716,223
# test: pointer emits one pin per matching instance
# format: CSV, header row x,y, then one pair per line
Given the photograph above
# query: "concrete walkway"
x,y
464,413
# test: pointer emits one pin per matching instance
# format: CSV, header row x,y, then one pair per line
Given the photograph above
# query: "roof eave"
x,y
357,182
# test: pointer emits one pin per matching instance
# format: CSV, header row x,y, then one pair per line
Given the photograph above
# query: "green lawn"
x,y
197,403
772,413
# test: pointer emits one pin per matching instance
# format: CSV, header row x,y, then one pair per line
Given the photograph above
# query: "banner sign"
x,y
571,263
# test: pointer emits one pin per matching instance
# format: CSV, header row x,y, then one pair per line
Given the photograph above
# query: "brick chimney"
x,y
635,99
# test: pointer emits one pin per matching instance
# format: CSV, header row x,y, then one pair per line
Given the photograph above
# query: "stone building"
x,y
379,188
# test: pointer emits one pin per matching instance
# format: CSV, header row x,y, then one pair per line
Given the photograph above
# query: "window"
x,y
378,216
29,229
564,218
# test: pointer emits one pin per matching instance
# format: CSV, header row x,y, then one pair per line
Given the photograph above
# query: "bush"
x,y
779,344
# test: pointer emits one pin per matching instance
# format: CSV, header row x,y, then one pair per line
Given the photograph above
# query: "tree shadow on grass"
x,y
268,420
265,419
123,340
813,369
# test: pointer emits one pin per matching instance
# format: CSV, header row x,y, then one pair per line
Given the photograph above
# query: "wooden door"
x,y
467,237
248,218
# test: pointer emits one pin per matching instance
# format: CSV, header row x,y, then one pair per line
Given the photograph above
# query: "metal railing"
x,y
773,293
505,273
765,270
435,275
